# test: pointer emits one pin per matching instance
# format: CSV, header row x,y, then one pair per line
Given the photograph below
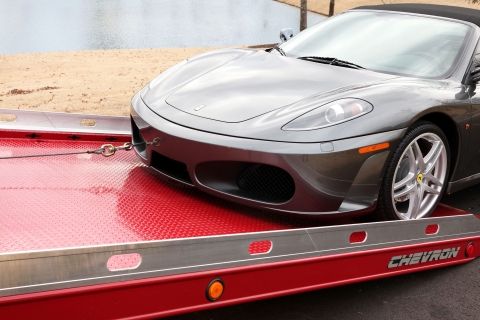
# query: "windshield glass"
x,y
393,43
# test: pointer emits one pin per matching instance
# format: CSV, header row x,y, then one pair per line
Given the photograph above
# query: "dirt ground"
x,y
92,82
322,6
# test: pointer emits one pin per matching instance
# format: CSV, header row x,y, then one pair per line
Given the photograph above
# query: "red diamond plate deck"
x,y
84,200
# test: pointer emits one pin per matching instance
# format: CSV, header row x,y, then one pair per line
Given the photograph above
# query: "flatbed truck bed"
x,y
86,236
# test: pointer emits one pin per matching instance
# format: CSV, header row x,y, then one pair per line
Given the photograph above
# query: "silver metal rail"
x,y
35,271
62,122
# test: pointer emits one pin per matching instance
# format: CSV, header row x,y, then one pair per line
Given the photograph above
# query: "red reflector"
x,y
358,237
469,250
124,261
259,247
431,229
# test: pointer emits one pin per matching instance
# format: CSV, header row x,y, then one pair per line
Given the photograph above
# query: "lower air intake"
x,y
172,168
266,182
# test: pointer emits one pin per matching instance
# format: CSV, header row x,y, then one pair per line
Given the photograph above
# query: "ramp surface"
x,y
86,200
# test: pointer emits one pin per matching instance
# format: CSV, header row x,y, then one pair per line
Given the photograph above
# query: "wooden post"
x,y
332,8
303,14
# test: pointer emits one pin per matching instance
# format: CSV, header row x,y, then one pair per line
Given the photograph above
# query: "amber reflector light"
x,y
215,289
375,147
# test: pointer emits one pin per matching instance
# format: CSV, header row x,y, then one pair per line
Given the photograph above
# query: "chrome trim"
x,y
64,122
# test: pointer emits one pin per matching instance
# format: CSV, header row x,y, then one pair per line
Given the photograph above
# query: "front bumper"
x,y
330,179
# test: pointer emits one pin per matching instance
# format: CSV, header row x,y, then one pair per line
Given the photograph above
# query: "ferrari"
x,y
371,111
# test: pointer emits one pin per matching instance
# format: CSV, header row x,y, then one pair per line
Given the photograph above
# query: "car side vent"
x,y
266,182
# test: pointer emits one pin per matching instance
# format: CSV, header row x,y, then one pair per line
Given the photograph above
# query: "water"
x,y
66,25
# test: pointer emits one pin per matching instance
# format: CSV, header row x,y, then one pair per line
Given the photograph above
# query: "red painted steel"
x,y
51,135
443,210
84,200
170,295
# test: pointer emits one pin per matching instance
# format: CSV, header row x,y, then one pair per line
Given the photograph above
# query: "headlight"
x,y
166,73
330,114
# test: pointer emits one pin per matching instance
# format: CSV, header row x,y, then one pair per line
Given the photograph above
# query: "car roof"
x,y
459,13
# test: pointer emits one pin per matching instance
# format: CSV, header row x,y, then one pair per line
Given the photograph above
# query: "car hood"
x,y
250,84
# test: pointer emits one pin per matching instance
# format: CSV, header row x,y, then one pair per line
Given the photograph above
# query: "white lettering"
x,y
405,260
435,255
416,258
444,254
394,262
454,252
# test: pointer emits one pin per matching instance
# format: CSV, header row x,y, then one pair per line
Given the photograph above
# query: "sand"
x,y
104,81
322,6
91,82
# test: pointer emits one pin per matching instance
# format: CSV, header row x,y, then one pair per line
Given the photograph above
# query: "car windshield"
x,y
394,43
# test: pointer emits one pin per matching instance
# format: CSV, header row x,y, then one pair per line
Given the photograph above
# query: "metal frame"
x,y
64,122
35,271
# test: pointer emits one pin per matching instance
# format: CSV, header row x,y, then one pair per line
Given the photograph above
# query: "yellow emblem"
x,y
419,177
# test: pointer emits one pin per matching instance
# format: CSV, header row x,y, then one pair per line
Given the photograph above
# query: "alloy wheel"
x,y
419,177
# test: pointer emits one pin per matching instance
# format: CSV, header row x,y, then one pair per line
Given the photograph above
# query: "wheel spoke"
x,y
404,181
430,177
416,198
408,189
430,189
432,157
419,156
411,160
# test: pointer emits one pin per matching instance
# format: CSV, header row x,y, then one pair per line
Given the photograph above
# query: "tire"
x,y
411,189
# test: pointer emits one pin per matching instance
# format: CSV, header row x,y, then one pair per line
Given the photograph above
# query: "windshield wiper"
x,y
332,61
276,47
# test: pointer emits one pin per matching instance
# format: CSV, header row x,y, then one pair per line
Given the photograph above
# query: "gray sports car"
x,y
372,110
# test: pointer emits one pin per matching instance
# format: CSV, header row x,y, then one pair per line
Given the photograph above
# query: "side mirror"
x,y
286,34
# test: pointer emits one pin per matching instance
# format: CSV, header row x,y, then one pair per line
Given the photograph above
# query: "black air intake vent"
x,y
266,182
172,168
141,148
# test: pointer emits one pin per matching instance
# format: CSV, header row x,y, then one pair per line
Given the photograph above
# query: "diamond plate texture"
x,y
259,247
87,200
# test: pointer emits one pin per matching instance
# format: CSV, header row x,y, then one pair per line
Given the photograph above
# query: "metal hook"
x,y
108,150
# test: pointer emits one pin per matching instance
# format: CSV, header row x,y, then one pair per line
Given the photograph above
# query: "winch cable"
x,y
106,150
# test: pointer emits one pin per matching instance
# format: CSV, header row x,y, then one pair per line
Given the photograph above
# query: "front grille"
x,y
172,168
266,182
